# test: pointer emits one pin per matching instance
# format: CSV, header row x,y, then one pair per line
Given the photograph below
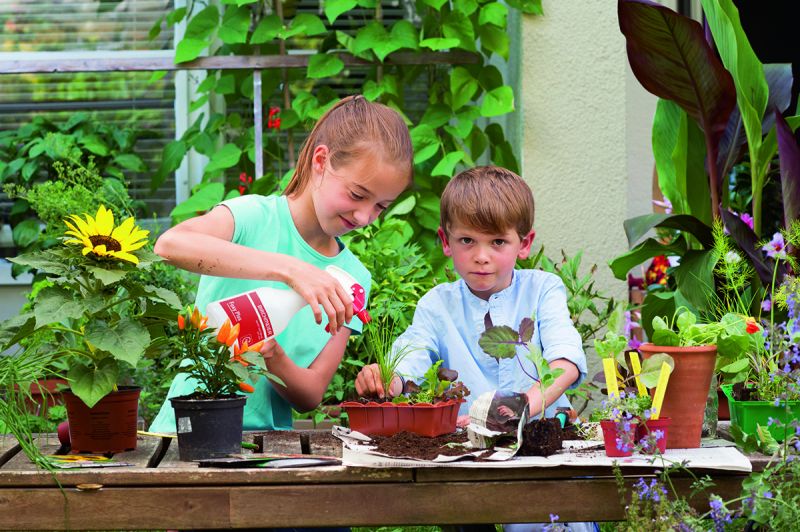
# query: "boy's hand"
x,y
368,383
318,287
462,422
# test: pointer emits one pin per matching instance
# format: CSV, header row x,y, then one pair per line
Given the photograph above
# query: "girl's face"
x,y
485,260
354,194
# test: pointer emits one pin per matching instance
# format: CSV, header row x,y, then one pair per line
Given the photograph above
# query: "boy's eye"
x,y
499,242
465,240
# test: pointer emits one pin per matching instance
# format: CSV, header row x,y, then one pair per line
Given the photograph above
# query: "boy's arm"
x,y
555,390
557,334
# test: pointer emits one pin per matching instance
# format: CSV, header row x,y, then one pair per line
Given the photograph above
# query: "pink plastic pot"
x,y
609,427
386,419
652,425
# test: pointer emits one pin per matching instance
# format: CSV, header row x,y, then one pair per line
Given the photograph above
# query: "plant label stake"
x,y
636,366
661,389
610,371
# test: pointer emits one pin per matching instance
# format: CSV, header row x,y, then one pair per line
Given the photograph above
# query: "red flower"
x,y
752,326
244,182
273,120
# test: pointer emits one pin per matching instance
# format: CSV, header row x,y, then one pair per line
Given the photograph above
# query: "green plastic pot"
x,y
747,415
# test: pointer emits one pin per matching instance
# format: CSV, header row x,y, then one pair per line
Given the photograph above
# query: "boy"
x,y
486,225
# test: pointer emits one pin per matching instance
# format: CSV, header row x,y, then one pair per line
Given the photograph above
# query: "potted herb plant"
x,y
428,409
693,347
209,421
541,437
98,317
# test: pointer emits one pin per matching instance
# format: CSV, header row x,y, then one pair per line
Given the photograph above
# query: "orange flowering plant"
x,y
220,364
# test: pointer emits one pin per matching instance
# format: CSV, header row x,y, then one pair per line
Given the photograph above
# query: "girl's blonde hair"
x,y
351,128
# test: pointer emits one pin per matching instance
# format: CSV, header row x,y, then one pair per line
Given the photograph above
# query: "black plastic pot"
x,y
208,428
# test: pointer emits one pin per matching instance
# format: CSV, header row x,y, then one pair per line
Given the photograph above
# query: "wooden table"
x,y
160,492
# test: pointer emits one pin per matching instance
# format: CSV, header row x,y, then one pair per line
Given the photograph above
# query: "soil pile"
x,y
408,444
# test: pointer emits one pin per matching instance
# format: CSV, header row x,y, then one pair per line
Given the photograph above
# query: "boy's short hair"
x,y
489,199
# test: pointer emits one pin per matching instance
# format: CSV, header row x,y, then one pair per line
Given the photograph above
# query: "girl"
x,y
356,161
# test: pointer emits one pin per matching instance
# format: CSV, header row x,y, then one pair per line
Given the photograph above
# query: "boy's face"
x,y
485,261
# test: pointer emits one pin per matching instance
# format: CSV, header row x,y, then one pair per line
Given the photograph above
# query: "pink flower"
x,y
746,218
775,248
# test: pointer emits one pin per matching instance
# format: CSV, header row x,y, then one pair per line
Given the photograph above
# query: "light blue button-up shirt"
x,y
449,321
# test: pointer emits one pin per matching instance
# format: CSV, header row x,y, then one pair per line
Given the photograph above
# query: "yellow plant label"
x,y
610,372
636,366
661,389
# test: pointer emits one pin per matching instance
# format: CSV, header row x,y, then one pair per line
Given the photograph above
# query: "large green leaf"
x,y
493,13
202,25
456,25
91,384
651,368
323,66
690,173
425,142
126,340
495,40
438,43
303,24
499,342
498,101
670,57
48,261
648,249
189,49
695,276
334,8
447,164
55,305
235,25
639,226
26,233
269,28
462,87
206,196
226,157
171,159
740,59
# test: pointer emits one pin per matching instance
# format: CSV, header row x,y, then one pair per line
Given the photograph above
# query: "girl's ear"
x,y
445,244
525,245
318,159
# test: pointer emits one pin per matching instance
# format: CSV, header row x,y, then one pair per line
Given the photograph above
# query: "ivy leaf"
x,y
439,43
289,118
323,66
171,159
227,157
529,7
425,142
334,8
494,39
375,37
458,26
25,233
462,87
405,34
204,198
305,24
189,49
235,25
203,24
132,162
267,29
126,340
448,164
498,101
467,7
436,4
436,115
92,384
494,13
499,342
372,91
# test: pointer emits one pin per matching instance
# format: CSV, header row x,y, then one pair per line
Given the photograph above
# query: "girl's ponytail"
x,y
352,126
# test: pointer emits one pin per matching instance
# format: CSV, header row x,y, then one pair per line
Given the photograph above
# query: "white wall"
x,y
586,134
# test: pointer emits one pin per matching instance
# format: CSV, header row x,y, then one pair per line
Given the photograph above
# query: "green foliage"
x,y
438,384
449,134
94,313
380,336
627,403
773,495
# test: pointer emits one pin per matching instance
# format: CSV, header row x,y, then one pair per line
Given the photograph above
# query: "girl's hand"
x,y
271,349
318,287
368,383
462,421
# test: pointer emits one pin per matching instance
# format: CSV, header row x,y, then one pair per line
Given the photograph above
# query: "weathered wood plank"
x,y
279,441
8,448
130,64
20,461
145,448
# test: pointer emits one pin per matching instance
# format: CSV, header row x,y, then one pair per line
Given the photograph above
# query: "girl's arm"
x,y
555,390
305,387
203,245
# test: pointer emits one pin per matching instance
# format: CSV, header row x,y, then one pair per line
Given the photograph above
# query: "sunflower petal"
x,y
125,256
104,221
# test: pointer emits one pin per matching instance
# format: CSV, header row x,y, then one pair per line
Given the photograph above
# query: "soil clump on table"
x,y
410,445
541,437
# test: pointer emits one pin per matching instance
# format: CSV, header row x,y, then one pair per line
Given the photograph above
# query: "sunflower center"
x,y
110,243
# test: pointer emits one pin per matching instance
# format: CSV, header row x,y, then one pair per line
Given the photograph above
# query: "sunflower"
x,y
99,236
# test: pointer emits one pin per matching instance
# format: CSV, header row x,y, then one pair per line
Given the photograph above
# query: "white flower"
x,y
732,257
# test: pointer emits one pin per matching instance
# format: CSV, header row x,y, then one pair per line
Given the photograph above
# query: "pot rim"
x,y
650,347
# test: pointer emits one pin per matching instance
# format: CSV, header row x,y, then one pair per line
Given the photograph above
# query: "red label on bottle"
x,y
263,315
248,312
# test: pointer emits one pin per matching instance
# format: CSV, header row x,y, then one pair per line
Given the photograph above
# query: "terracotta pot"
x,y
609,427
723,408
385,419
43,395
687,391
651,425
107,427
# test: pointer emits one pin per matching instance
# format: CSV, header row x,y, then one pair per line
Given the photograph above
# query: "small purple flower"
x,y
666,205
775,248
719,514
768,494
766,305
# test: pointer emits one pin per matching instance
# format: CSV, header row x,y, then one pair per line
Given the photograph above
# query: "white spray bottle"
x,y
265,312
